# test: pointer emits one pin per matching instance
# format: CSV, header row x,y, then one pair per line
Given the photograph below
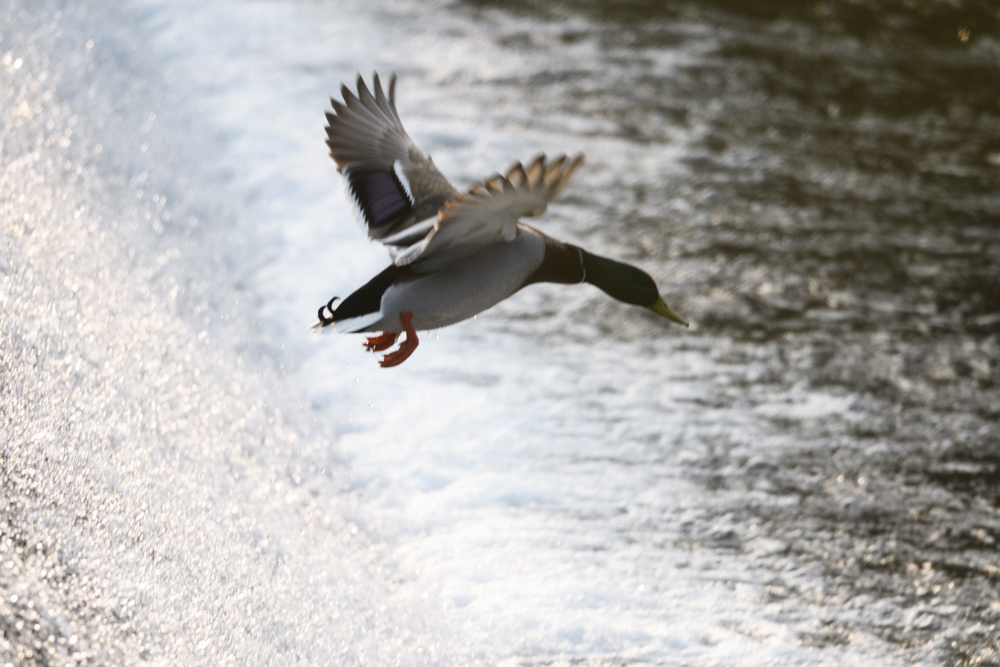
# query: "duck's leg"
x,y
406,348
380,342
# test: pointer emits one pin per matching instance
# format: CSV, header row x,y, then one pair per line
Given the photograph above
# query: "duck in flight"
x,y
454,254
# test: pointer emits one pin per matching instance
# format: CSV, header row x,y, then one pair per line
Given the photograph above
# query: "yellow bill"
x,y
661,308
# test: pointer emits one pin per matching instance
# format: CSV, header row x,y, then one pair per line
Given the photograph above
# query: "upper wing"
x,y
488,213
392,183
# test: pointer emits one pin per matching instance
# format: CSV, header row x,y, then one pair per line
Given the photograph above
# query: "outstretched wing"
x,y
393,184
488,213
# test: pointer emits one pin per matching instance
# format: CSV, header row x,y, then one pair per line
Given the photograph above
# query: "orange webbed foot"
x,y
381,342
406,348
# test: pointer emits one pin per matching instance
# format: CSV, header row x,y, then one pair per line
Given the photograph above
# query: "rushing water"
x,y
808,475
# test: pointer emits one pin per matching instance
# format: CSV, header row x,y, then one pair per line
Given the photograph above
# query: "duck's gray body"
x,y
457,293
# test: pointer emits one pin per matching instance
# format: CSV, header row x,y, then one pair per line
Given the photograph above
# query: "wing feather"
x,y
403,200
488,213
392,183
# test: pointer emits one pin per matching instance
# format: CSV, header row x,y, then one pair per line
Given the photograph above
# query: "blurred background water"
x,y
808,475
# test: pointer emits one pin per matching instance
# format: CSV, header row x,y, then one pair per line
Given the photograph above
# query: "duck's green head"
x,y
627,283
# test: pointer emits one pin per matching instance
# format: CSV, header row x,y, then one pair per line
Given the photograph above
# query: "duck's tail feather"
x,y
349,325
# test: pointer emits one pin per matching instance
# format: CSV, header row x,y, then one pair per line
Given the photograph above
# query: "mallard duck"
x,y
454,254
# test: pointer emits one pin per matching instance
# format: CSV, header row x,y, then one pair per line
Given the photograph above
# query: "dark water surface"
x,y
837,226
